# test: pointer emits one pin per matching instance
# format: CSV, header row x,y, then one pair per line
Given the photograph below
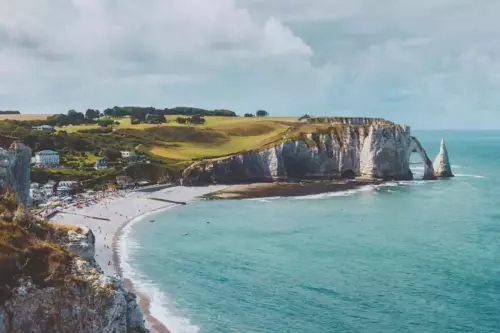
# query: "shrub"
x,y
96,130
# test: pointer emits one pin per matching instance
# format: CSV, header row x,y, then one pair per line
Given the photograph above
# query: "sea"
x,y
413,256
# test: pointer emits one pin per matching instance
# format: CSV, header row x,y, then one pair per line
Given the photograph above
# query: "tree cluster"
x,y
71,118
195,120
9,112
141,112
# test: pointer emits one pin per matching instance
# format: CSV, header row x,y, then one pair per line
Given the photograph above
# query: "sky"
x,y
429,64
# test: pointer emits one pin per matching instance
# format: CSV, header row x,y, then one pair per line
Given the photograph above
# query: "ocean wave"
x,y
267,199
346,193
366,188
160,306
470,176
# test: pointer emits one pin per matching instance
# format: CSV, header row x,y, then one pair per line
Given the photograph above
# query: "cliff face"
x,y
15,170
86,301
381,150
442,164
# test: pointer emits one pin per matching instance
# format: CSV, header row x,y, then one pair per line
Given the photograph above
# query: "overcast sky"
x,y
426,63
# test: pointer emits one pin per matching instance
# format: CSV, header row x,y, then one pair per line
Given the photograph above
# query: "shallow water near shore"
x,y
403,257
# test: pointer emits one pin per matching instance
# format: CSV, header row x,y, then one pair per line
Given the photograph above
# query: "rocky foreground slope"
x,y
50,282
336,148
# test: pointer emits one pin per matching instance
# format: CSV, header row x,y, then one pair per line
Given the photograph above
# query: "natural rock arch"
x,y
416,146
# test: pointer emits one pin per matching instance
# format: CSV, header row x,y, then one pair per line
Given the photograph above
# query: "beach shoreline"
x,y
109,217
289,188
122,210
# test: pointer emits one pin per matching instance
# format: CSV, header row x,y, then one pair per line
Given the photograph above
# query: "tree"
x,y
197,120
105,122
111,154
306,116
109,112
181,120
248,115
155,118
262,113
91,114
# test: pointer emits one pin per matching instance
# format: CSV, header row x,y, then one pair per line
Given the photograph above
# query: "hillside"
x,y
170,146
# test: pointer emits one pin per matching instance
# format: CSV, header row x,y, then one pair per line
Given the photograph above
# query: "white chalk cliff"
x,y
442,166
15,162
381,150
88,301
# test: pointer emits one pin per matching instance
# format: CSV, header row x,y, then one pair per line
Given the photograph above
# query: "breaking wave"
x,y
160,305
470,176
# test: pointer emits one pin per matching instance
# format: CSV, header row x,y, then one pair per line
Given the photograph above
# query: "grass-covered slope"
x,y
28,249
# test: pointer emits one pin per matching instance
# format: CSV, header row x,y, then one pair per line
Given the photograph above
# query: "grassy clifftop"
x,y
28,249
173,146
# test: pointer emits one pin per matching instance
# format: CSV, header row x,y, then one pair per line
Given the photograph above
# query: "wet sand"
x,y
289,189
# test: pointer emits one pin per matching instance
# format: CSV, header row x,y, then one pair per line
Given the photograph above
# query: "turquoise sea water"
x,y
406,257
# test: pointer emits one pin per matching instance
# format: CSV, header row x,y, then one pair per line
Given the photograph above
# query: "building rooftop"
x,y
46,152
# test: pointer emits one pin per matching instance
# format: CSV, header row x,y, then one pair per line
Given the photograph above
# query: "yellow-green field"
x,y
236,143
237,134
210,122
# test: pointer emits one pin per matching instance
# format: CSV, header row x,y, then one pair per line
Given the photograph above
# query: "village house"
x,y
101,164
47,158
129,154
44,128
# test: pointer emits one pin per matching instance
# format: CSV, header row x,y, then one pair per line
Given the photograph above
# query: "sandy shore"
x,y
120,211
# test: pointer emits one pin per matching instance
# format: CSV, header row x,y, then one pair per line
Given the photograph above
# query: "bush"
x,y
197,120
105,122
248,115
96,130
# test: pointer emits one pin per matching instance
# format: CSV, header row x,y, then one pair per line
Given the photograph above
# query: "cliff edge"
x,y
50,281
337,148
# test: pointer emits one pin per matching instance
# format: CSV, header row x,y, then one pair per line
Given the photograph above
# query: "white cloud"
x,y
393,58
77,47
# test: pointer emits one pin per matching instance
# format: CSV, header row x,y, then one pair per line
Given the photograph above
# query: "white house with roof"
x,y
37,196
47,158
44,128
129,154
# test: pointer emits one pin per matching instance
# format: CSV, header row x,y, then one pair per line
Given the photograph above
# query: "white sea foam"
x,y
367,188
470,176
267,199
160,306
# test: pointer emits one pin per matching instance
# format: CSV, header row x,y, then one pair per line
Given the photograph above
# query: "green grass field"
x,y
219,136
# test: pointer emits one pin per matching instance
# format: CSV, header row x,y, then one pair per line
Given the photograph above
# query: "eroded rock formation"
x,y
87,302
381,150
15,169
442,166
